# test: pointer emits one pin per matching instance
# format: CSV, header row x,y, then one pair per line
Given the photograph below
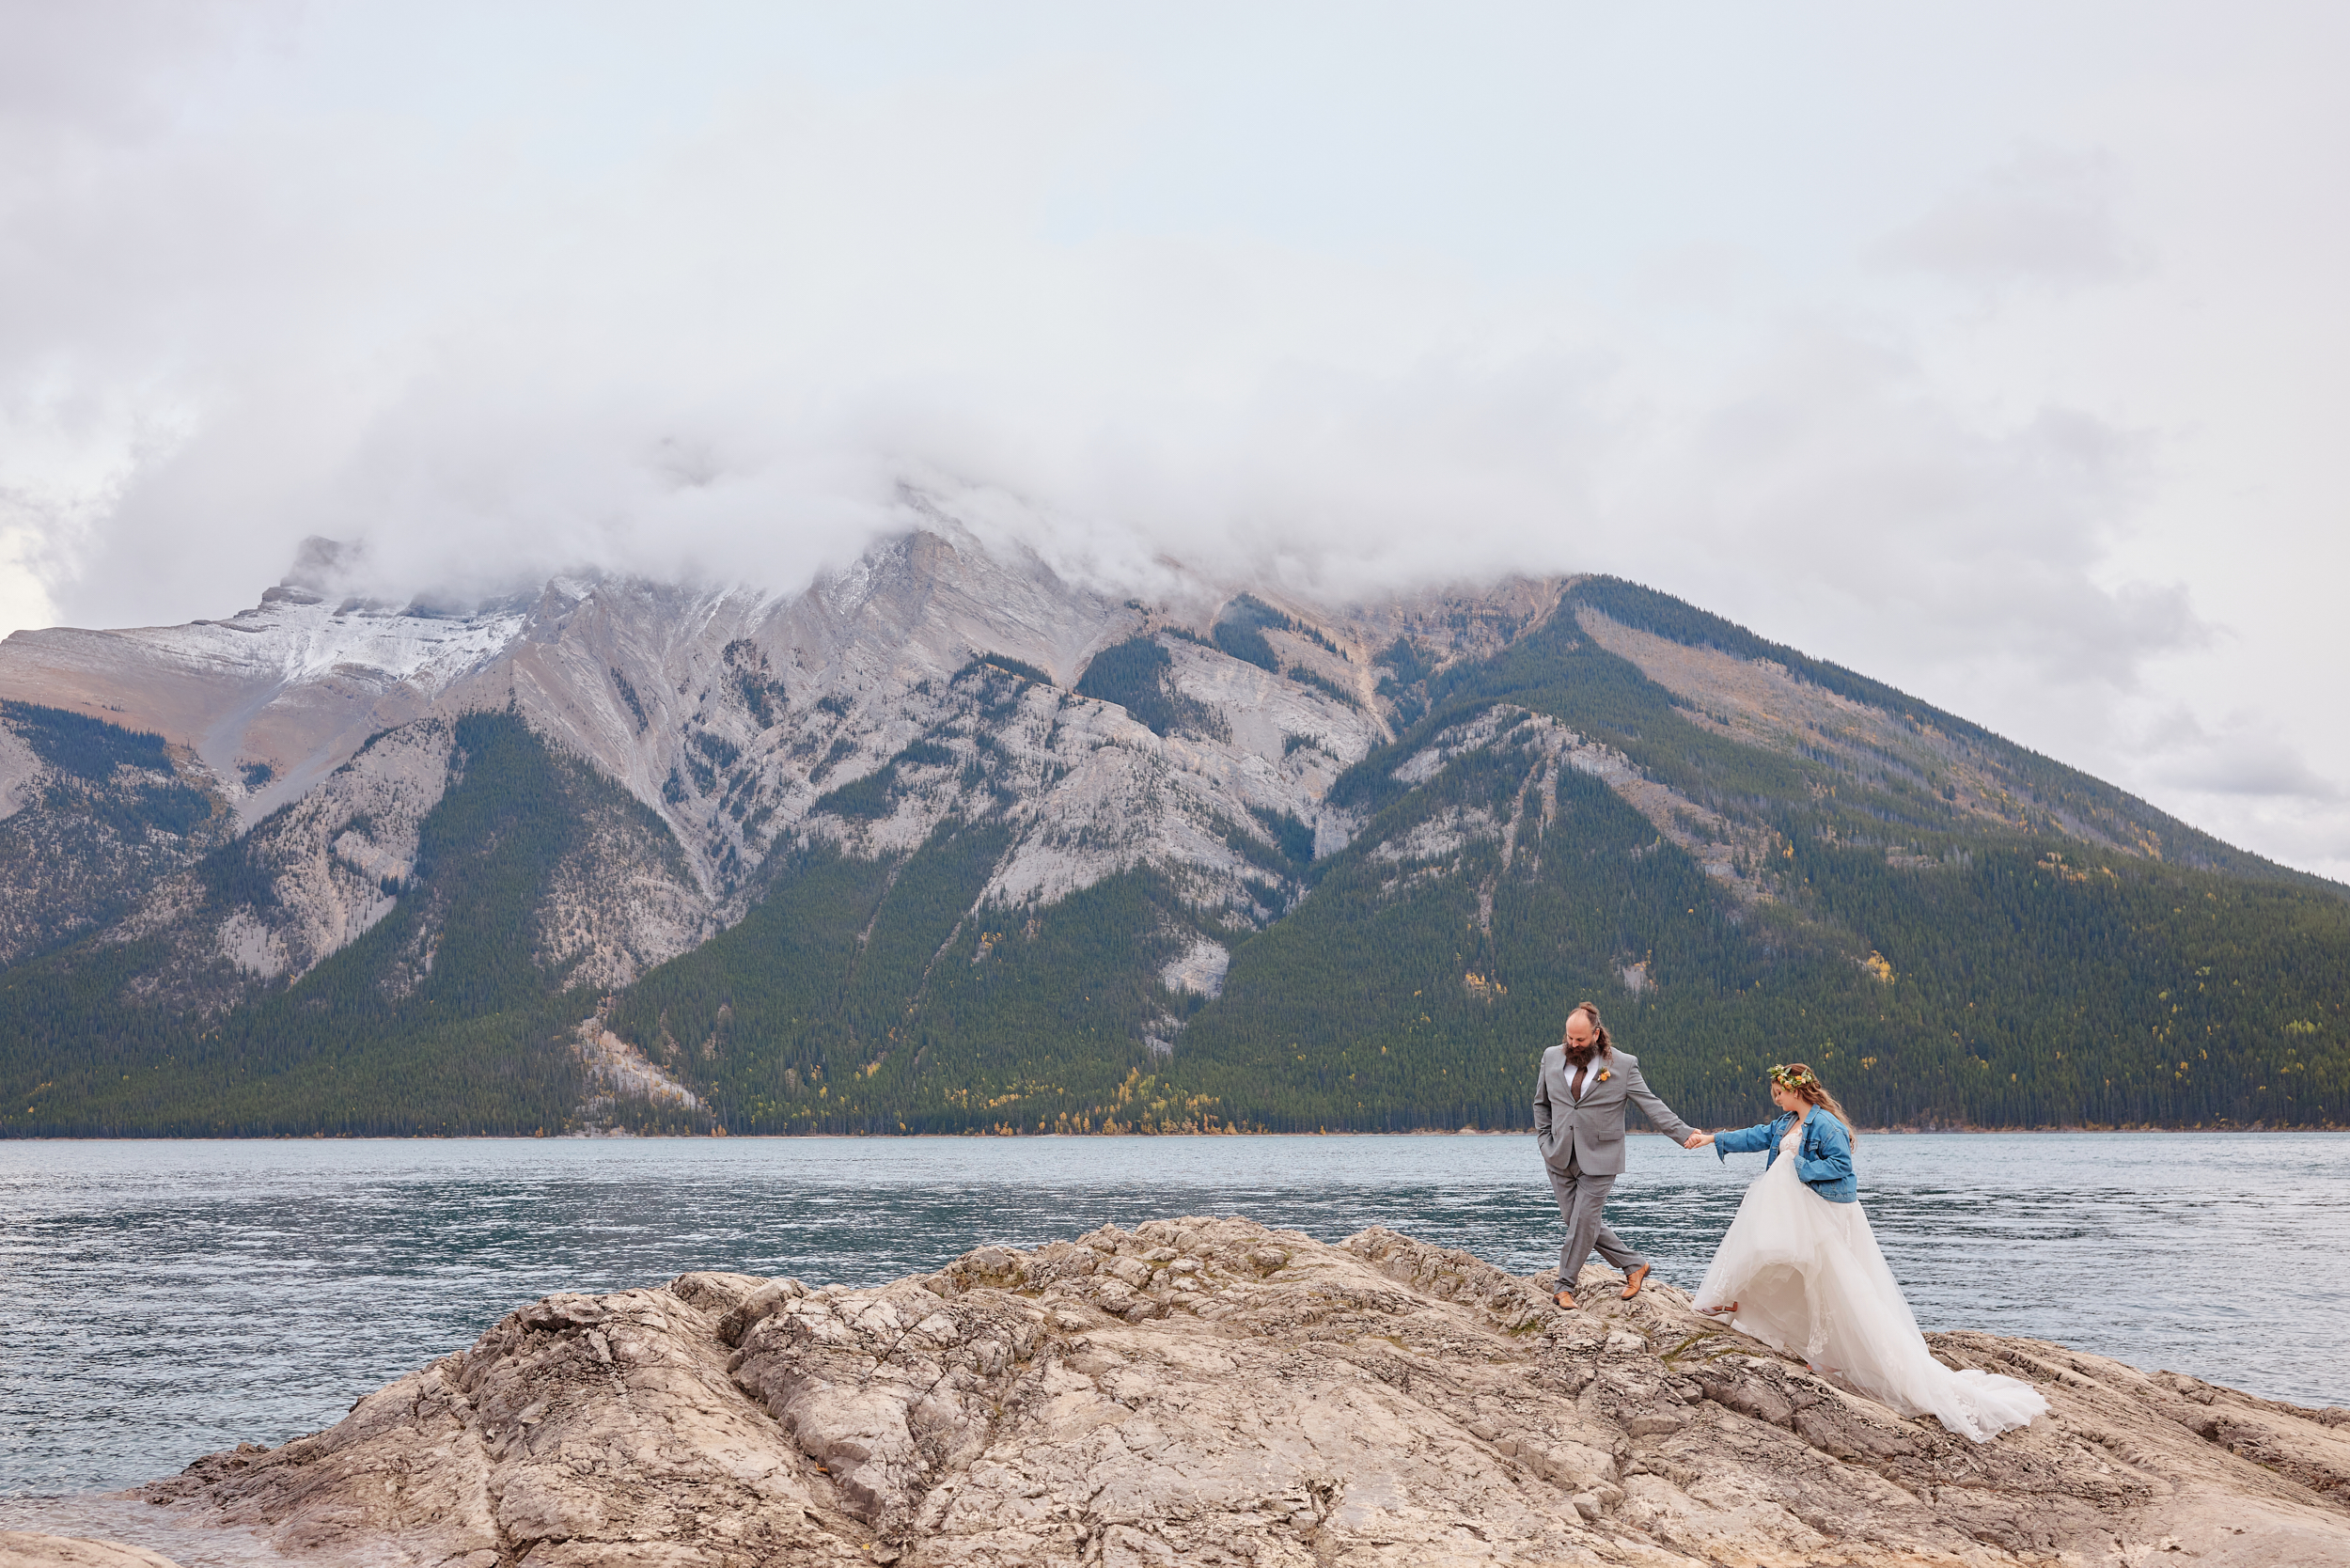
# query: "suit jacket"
x,y
1588,1134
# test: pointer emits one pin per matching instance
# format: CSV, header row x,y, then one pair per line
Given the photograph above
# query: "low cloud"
x,y
724,335
2045,217
726,354
2244,756
1837,499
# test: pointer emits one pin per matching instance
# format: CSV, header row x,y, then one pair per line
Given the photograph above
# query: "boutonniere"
x,y
1605,1075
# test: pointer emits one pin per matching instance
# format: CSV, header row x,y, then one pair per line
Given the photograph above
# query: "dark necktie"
x,y
1575,1089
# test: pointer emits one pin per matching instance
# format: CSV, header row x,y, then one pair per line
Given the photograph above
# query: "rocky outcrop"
x,y
1212,1391
23,1549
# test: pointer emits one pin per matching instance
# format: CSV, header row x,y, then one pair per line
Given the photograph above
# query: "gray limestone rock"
x,y
21,1549
321,725
1212,1391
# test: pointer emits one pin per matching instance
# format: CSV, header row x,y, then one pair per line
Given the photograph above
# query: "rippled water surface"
x,y
165,1300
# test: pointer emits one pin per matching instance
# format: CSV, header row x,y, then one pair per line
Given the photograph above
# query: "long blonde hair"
x,y
1805,1085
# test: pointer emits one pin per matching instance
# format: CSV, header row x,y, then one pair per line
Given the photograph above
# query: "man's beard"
x,y
1582,1056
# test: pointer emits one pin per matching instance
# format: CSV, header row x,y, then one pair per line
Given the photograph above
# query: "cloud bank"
x,y
502,297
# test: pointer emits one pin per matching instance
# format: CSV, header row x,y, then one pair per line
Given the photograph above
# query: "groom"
x,y
1579,1093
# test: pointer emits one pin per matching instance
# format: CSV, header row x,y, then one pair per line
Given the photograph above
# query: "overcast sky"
x,y
1996,350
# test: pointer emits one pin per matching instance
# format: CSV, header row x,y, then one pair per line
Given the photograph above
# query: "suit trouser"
x,y
1581,1195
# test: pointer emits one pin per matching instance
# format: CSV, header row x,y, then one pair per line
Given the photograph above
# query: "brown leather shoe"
x,y
1632,1281
1562,1300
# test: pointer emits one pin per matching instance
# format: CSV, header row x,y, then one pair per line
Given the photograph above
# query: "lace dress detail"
x,y
1809,1279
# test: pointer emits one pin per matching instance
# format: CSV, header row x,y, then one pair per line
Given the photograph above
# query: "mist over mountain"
x,y
962,838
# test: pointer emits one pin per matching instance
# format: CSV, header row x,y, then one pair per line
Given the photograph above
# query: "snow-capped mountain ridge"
x,y
742,717
301,638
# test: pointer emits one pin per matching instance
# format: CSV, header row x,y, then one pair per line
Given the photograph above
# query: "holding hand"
x,y
1696,1140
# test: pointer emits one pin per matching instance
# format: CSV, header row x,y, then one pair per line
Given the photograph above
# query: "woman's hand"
x,y
1698,1140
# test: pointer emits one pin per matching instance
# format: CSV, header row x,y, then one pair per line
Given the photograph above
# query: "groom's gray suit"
x,y
1581,1138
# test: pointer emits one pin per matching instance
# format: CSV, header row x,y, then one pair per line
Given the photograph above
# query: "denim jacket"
x,y
1823,1155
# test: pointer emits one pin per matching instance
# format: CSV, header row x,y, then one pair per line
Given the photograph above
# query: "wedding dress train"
x,y
1808,1278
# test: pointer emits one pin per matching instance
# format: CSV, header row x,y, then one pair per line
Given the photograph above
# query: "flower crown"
x,y
1794,1076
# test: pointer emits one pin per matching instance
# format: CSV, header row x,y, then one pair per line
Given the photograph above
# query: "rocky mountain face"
x,y
728,714
93,818
1211,1392
946,840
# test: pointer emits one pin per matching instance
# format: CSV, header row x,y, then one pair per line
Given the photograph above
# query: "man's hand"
x,y
1696,1140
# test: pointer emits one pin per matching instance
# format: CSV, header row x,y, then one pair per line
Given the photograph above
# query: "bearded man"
x,y
1579,1095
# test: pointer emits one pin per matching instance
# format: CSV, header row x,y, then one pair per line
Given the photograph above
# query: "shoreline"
x,y
613,1134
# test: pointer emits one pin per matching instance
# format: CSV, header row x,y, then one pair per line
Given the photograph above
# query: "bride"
x,y
1800,1270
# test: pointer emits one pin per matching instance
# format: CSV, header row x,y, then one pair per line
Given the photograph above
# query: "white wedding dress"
x,y
1808,1279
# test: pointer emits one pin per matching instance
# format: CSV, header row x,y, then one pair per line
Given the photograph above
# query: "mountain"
x,y
949,842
